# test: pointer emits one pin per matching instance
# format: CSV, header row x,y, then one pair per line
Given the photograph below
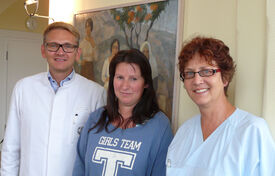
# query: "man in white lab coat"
x,y
48,110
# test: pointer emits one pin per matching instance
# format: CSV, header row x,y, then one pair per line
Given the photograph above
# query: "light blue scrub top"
x,y
241,146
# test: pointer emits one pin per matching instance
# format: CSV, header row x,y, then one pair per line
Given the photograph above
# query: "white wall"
x,y
85,5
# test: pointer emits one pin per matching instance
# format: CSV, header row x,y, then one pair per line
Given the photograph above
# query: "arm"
x,y
79,165
159,167
10,160
257,150
267,153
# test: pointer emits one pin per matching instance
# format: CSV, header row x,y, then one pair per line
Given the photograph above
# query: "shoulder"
x,y
188,125
38,76
159,125
85,83
160,129
250,128
31,80
252,136
160,119
244,120
95,116
186,132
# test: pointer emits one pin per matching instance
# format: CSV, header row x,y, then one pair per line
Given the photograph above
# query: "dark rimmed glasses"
x,y
67,47
202,73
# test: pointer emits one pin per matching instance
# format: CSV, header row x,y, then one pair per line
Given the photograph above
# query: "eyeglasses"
x,y
67,47
202,73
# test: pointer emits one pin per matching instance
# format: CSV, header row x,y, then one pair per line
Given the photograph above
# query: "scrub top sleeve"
x,y
267,153
159,167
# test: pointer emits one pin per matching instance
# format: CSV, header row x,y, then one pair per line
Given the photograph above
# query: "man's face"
x,y
60,62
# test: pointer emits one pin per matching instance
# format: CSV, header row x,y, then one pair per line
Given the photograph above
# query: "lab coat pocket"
x,y
80,117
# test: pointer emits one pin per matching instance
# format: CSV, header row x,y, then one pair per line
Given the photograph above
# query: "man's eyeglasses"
x,y
202,73
67,48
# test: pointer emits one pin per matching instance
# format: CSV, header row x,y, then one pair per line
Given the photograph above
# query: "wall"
x,y
251,54
85,5
19,57
14,16
211,23
220,22
243,28
12,19
269,88
240,24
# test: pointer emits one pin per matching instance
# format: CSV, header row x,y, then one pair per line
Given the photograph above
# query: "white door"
x,y
24,59
21,57
3,76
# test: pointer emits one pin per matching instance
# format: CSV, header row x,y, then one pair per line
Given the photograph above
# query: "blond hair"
x,y
61,25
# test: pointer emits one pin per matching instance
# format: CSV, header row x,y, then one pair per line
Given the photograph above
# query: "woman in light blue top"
x,y
222,139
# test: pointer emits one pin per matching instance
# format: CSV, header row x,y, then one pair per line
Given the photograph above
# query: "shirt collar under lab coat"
x,y
54,83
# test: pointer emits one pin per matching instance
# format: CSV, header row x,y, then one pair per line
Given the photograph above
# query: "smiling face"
x,y
128,84
60,62
204,91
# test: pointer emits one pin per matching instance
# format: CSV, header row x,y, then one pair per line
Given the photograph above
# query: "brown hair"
x,y
211,50
147,106
61,25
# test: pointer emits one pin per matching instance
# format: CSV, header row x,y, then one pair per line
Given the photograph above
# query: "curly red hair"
x,y
211,50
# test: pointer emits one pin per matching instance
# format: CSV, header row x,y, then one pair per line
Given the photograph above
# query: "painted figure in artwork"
x,y
88,51
146,50
115,47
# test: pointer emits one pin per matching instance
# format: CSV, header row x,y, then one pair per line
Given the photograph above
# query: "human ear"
x,y
78,54
43,52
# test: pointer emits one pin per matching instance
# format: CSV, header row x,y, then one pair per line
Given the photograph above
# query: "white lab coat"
x,y
42,128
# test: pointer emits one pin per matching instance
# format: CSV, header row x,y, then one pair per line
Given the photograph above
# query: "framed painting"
x,y
151,26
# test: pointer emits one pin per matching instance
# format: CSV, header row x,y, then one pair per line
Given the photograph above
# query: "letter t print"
x,y
112,159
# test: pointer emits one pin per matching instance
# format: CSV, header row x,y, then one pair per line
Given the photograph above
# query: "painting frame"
x,y
178,40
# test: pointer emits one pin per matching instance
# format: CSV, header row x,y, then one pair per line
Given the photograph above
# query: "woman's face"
x,y
128,84
204,91
115,48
